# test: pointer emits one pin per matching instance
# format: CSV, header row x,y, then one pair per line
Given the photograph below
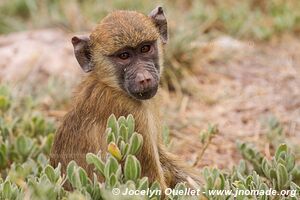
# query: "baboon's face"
x,y
124,50
137,69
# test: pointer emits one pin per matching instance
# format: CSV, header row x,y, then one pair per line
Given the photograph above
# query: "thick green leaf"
x,y
122,121
7,190
113,124
24,145
96,161
136,142
112,181
111,167
132,169
110,136
281,149
73,175
84,180
155,187
130,124
124,132
49,171
282,177
3,159
143,184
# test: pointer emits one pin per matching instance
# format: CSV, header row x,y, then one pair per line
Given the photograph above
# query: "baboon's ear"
x,y
158,17
82,52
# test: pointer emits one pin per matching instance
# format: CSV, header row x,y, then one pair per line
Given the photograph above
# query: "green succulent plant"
x,y
27,174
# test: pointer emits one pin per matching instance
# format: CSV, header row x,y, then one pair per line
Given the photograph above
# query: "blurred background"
x,y
229,64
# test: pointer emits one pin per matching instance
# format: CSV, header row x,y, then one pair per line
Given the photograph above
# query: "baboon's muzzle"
x,y
144,85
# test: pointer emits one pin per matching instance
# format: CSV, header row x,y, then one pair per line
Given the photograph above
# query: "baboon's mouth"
x,y
144,95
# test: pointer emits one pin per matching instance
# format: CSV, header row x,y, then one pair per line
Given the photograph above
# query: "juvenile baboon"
x,y
123,56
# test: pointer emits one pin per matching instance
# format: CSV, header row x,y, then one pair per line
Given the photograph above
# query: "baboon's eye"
x,y
145,48
124,55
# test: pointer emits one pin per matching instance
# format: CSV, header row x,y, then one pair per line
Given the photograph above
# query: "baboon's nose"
x,y
144,80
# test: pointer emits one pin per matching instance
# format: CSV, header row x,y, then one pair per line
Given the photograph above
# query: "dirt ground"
x,y
239,94
237,86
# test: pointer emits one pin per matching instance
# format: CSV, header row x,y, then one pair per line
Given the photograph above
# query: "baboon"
x,y
124,61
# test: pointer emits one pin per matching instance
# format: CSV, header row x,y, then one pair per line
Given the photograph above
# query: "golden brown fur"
x,y
126,28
